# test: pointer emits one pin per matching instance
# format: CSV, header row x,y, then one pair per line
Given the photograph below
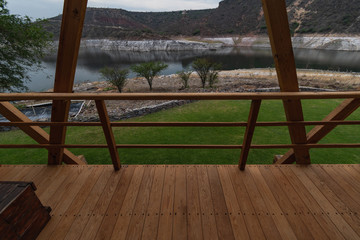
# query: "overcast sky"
x,y
51,8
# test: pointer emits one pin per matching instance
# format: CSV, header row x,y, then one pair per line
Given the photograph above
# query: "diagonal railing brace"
x,y
249,132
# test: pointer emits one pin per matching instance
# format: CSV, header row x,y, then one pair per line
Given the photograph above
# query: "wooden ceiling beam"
x,y
280,40
69,44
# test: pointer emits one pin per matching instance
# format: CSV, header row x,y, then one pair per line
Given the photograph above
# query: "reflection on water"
x,y
90,61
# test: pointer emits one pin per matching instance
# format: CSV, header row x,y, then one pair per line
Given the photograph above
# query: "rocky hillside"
x,y
231,17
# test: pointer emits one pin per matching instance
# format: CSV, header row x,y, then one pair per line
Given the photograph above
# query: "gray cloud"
x,y
51,8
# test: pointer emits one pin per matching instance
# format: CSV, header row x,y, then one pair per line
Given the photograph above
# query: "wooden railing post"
x,y
249,132
281,46
69,44
109,135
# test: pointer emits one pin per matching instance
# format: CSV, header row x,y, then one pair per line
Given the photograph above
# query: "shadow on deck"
x,y
197,202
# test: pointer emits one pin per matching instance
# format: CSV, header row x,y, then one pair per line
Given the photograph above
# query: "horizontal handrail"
x,y
182,124
185,146
99,98
178,96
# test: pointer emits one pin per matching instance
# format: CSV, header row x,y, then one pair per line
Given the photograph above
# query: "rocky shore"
x,y
339,43
243,80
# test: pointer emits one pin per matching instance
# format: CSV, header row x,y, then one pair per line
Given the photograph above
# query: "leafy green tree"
x,y
149,70
184,76
22,44
116,76
207,70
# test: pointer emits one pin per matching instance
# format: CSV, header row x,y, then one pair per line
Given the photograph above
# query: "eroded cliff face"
x,y
150,45
327,43
314,42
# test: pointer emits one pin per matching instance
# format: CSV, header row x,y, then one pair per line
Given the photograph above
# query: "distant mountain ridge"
x,y
230,17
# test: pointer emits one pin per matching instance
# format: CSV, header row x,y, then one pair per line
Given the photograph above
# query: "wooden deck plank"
x,y
194,225
207,207
64,197
10,172
343,203
54,182
280,220
298,225
314,208
113,211
242,228
300,208
90,200
70,214
153,210
69,190
332,190
127,209
251,202
101,206
345,182
87,209
220,210
138,216
30,173
354,176
180,204
326,205
22,172
165,226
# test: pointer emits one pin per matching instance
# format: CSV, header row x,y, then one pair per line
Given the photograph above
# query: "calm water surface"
x,y
90,61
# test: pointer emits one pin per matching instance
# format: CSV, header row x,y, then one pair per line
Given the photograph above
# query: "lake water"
x,y
90,61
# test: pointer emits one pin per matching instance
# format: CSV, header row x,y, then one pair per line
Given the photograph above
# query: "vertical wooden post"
x,y
249,132
69,43
280,39
109,135
347,107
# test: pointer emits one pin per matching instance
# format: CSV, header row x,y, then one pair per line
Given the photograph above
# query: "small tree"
x,y
116,76
214,74
184,76
207,70
149,70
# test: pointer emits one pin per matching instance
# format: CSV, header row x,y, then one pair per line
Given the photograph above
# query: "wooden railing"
x,y
250,125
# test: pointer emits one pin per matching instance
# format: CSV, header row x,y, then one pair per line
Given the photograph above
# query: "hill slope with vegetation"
x,y
230,17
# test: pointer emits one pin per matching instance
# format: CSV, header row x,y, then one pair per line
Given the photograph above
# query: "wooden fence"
x,y
256,99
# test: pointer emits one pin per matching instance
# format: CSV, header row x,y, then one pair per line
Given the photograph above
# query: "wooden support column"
x,y
249,132
279,34
109,135
69,43
347,107
38,134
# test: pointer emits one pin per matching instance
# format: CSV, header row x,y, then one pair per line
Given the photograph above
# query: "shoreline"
x,y
240,80
334,43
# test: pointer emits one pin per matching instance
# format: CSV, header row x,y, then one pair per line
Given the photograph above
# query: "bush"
x,y
149,70
207,70
213,77
184,76
116,76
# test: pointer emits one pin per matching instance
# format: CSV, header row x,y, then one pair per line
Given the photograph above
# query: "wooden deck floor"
x,y
197,202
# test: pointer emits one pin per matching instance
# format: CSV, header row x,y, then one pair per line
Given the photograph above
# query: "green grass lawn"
x,y
210,111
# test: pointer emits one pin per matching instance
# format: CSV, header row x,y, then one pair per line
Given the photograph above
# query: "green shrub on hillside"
x,y
149,70
115,76
184,76
207,70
